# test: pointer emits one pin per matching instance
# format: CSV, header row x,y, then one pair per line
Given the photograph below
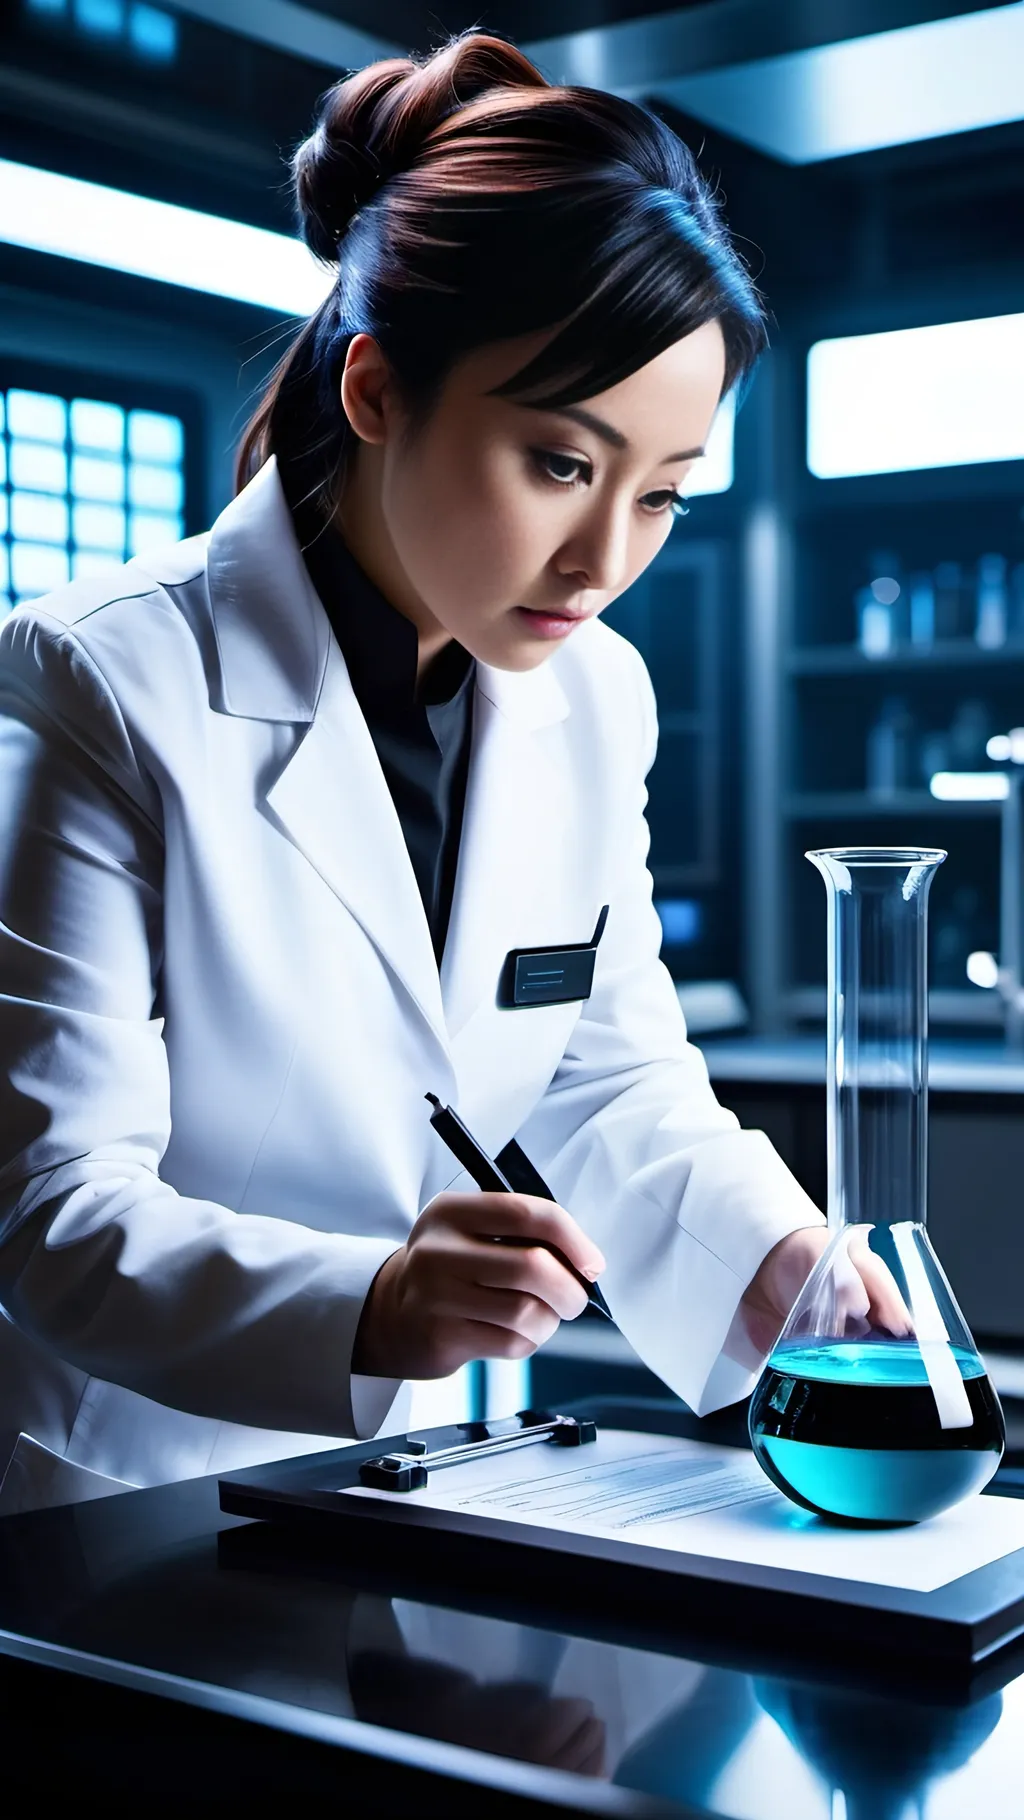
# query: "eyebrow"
x,y
608,433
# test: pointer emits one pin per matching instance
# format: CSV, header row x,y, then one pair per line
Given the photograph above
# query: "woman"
x,y
277,805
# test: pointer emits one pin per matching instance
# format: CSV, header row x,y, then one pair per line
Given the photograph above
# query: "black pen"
x,y
487,1175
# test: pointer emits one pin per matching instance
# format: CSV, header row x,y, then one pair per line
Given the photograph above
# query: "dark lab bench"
x,y
154,1651
976,1203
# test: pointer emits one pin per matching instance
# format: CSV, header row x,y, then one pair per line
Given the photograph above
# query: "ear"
x,y
366,389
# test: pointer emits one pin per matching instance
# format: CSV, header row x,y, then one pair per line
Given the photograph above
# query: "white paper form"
x,y
714,1501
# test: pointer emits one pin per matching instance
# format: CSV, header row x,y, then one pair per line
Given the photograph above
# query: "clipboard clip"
x,y
409,1471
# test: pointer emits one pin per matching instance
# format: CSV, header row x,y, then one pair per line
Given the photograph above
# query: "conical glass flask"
x,y
874,1406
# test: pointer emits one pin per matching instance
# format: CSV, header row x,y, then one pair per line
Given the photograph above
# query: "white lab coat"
x,y
220,1012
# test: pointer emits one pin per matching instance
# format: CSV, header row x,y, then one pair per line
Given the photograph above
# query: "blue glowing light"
x,y
680,919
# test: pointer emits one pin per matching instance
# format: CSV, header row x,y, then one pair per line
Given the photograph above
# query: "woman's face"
x,y
505,526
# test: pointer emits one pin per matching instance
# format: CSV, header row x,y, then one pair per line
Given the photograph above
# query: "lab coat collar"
x,y
272,632
273,635
516,868
529,698
331,801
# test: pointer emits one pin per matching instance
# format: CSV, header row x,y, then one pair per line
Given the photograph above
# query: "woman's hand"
x,y
867,1295
451,1294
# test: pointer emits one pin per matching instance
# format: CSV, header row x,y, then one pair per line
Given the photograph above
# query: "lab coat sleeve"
x,y
684,1204
238,1317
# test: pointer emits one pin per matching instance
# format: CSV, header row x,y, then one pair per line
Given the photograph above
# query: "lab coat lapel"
x,y
333,803
279,661
515,856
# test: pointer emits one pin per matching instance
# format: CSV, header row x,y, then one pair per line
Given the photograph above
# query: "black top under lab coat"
x,y
422,740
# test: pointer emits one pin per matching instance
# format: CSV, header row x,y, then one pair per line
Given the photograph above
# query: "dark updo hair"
x,y
466,200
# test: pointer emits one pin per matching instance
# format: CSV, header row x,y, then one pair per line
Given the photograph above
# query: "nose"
x,y
597,554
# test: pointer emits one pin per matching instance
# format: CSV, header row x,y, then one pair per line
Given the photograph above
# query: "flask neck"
x,y
877,1057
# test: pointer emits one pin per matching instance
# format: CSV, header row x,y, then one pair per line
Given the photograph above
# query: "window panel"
x,y
155,489
39,518
92,562
98,527
153,34
38,468
38,416
152,531
96,477
103,18
37,567
96,425
155,437
144,31
69,468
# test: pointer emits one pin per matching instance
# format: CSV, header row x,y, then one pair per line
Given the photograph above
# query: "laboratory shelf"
x,y
968,1007
824,805
845,742
946,654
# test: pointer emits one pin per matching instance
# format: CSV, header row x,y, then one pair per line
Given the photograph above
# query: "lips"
x,y
556,613
542,624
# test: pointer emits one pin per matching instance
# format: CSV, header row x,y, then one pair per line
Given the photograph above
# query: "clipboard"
x,y
320,1503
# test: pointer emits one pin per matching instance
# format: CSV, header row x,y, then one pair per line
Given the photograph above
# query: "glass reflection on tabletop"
x,y
744,1745
881,1757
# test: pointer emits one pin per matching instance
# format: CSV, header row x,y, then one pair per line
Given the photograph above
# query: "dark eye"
x,y
547,462
668,501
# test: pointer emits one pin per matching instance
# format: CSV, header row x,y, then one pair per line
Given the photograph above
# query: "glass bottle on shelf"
x,y
887,584
969,731
881,607
921,609
889,749
874,624
933,754
952,620
990,624
877,1409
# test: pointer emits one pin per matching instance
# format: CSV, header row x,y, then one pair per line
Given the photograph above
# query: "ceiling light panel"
x,y
921,82
48,212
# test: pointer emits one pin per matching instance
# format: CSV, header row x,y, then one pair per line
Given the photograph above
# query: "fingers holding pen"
x,y
502,1264
520,1216
480,1276
500,1313
505,1267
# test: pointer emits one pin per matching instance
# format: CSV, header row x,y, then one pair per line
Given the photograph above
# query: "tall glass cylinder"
x,y
877,1039
875,1406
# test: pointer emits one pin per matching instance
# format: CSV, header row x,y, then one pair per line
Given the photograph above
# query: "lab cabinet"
x,y
679,615
899,655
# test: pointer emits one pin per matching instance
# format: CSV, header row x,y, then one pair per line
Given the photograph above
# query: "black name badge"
x,y
550,976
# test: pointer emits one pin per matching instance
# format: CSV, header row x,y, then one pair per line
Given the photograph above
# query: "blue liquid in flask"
x,y
850,1429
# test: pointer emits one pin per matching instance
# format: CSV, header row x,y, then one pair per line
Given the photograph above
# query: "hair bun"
x,y
374,124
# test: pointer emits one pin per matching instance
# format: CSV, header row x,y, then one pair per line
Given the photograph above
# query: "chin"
x,y
521,656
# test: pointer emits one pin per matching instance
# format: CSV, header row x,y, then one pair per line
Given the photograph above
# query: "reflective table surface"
x,y
158,1590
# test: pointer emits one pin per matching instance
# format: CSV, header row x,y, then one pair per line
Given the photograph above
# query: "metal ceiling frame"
x,y
635,56
630,57
285,25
